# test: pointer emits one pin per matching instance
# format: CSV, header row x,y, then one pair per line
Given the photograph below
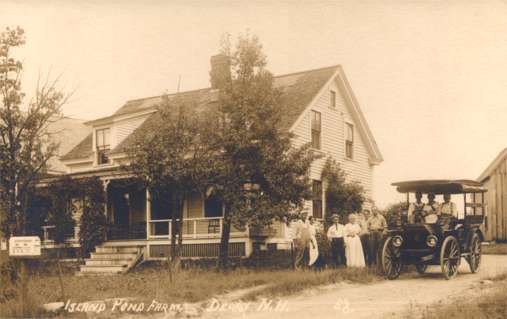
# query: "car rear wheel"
x,y
474,259
450,257
391,259
421,268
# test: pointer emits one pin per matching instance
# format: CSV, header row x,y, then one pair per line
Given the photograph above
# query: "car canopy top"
x,y
440,186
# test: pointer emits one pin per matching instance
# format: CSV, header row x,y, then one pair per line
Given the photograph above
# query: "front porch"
x,y
135,218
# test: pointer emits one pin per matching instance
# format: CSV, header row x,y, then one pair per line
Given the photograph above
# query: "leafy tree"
x,y
25,141
61,210
261,177
342,197
174,157
393,212
92,224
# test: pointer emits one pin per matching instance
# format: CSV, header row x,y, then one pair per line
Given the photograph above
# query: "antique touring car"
x,y
443,242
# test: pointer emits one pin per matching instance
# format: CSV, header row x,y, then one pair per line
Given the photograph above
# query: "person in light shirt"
x,y
335,236
448,208
415,209
376,225
431,210
301,240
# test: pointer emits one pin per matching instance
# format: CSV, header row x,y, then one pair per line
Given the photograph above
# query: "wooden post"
x,y
105,184
148,219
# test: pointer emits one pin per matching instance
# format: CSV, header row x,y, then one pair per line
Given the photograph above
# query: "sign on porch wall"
x,y
24,246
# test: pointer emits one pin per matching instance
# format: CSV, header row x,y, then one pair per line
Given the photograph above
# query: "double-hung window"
x,y
103,145
332,99
317,199
316,130
349,141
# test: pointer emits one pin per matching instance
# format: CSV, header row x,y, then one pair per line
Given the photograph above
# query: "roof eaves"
x,y
498,159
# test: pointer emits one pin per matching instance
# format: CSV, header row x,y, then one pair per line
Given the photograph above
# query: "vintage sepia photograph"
x,y
253,159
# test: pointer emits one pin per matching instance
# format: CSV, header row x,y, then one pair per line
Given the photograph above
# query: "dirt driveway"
x,y
380,300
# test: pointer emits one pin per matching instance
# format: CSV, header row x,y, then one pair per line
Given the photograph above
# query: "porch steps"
x,y
109,259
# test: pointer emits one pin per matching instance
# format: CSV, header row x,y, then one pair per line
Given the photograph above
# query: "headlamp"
x,y
397,241
431,241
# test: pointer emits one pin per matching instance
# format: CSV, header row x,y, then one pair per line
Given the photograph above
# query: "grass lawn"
x,y
191,285
495,249
488,305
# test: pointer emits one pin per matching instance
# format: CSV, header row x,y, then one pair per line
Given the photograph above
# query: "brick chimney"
x,y
220,72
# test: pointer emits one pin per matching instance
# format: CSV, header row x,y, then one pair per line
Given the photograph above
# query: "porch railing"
x,y
191,228
48,233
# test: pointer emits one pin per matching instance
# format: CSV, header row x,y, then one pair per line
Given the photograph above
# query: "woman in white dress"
x,y
353,247
313,249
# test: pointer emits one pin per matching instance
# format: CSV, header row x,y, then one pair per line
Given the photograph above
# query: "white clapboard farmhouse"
x,y
320,108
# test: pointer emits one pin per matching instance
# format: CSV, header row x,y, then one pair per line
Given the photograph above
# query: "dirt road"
x,y
380,300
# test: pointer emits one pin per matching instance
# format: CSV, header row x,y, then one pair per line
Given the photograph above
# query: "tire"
x,y
421,268
391,260
474,259
450,257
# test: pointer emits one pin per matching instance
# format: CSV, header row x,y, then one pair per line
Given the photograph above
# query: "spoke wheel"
x,y
391,259
450,257
421,268
474,260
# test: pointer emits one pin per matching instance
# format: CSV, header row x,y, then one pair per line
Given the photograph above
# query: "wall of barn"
x,y
496,204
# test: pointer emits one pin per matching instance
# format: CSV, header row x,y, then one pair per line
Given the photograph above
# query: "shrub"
x,y
342,197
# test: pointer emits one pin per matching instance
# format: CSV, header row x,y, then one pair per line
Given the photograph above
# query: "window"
x,y
332,97
103,146
213,207
316,129
349,141
317,199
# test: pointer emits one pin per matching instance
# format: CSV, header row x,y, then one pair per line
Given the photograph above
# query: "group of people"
x,y
354,244
430,212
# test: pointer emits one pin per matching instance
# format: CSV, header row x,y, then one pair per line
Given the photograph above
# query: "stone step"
x,y
107,262
116,249
102,269
111,256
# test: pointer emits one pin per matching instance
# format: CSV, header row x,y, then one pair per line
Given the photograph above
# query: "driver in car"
x,y
415,209
431,210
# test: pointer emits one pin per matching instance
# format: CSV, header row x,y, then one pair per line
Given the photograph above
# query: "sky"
x,y
430,76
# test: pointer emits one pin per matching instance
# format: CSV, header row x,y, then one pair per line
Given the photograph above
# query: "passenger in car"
x,y
431,210
448,208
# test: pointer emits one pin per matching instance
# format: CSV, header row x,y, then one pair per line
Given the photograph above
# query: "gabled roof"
x,y
298,91
493,165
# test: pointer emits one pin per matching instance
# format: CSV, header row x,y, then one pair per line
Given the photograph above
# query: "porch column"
x,y
105,184
148,218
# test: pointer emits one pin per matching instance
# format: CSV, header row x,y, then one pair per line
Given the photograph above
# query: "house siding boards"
x,y
494,180
125,128
334,120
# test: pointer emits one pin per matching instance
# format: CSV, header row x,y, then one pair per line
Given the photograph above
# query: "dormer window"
x,y
103,146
